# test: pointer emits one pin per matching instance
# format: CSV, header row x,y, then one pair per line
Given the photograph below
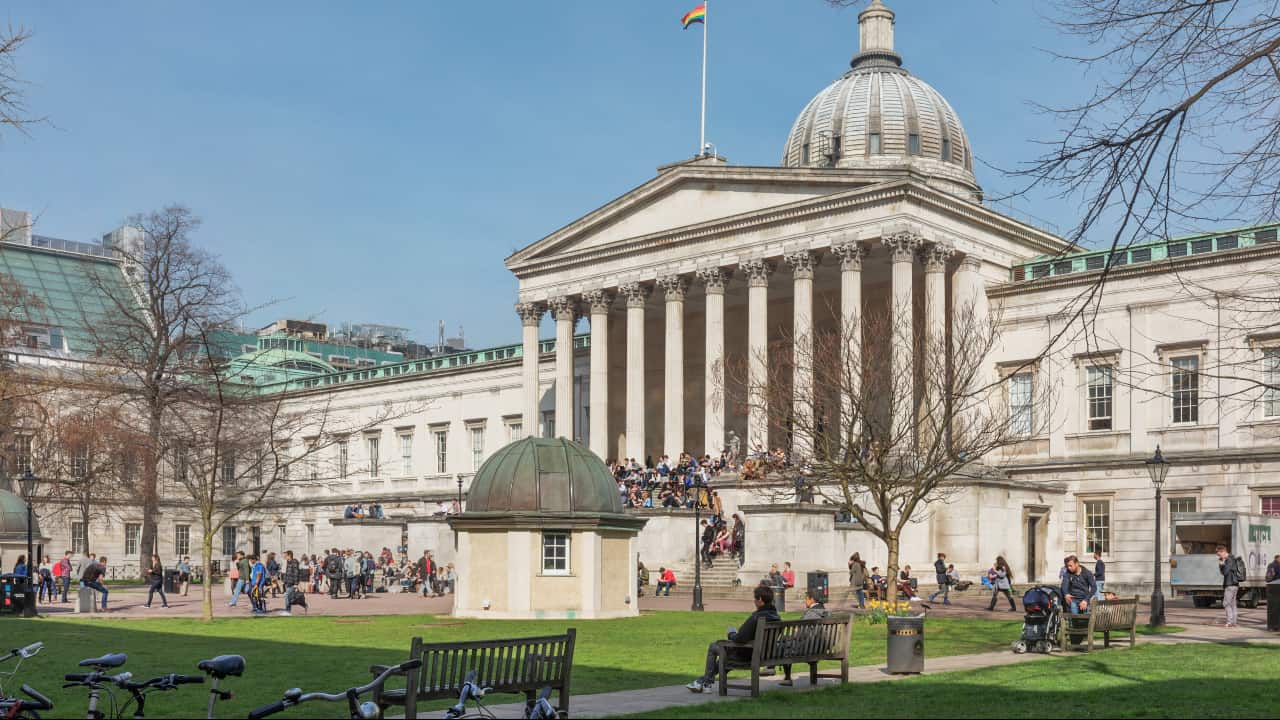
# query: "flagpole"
x,y
702,137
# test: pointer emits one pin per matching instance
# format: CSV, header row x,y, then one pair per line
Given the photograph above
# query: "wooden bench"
x,y
522,665
790,642
1104,616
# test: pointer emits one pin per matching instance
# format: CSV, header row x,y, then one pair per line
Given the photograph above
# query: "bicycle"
x,y
16,707
471,690
542,709
95,681
141,690
367,710
220,668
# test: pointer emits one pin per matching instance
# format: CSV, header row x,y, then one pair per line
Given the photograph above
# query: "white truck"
x,y
1193,564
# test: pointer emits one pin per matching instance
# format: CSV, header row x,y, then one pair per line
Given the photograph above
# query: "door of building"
x,y
255,533
1033,562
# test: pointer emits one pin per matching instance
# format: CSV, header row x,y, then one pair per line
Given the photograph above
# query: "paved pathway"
x,y
129,601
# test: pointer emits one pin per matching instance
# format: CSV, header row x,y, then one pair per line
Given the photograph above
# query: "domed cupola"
x,y
878,116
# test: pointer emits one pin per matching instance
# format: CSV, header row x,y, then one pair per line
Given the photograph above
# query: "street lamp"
x,y
1158,468
28,483
697,541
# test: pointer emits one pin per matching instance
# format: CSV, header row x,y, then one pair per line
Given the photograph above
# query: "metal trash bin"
x,y
171,581
906,645
11,595
819,586
780,597
1273,606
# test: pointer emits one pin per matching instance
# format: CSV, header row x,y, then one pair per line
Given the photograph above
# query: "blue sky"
x,y
377,161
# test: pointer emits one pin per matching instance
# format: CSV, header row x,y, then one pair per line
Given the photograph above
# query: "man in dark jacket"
x,y
1099,572
708,537
92,578
944,583
1273,570
738,646
1078,586
333,571
1232,569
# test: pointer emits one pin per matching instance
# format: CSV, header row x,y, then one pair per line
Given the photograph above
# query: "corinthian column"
x,y
565,311
599,302
851,255
530,317
635,294
902,246
713,406
675,288
802,411
757,272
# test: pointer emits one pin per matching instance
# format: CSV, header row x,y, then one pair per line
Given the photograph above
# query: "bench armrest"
x,y
377,670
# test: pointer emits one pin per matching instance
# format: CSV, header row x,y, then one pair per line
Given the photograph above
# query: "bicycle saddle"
x,y
223,665
106,661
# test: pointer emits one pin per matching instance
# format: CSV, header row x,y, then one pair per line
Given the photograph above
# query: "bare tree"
x,y
151,331
14,113
885,443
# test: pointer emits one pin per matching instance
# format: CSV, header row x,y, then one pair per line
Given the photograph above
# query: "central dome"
x,y
879,116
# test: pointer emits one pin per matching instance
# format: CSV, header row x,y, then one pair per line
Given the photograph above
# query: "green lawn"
x,y
331,653
1148,681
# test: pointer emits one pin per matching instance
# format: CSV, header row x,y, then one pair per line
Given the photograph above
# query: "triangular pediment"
x,y
687,195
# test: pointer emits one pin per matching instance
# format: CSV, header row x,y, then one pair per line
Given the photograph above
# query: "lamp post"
x,y
455,528
1158,469
28,492
697,542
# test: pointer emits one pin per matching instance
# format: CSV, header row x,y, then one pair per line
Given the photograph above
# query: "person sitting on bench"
x,y
738,646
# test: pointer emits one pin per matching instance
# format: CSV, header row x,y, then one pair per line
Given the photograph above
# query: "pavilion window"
x,y
555,552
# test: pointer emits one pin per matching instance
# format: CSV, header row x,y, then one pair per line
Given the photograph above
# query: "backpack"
x,y
1239,567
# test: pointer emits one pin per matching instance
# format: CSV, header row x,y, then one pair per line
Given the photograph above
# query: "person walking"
x,y
155,576
184,574
1099,572
944,582
290,575
858,579
1233,573
1001,577
238,575
65,566
333,572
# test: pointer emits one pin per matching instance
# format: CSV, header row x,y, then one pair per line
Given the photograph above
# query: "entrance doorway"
x,y
1035,524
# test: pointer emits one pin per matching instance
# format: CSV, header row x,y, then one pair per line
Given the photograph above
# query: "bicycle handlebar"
x,y
289,701
44,703
164,682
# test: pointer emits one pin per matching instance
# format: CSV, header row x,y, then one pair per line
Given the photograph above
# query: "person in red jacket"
x,y
666,580
788,575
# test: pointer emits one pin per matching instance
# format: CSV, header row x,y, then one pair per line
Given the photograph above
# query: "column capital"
x,y
757,272
530,313
802,264
598,301
674,287
635,294
935,256
565,307
851,255
902,244
714,279
972,263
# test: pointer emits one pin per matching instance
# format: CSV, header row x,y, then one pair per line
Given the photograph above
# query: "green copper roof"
x,y
70,288
547,476
13,519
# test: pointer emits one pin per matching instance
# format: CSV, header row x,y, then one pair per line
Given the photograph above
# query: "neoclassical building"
x,y
873,208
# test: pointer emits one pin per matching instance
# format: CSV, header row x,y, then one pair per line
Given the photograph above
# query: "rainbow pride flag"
x,y
696,15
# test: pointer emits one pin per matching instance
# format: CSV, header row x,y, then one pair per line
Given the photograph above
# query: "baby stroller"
x,y
1041,621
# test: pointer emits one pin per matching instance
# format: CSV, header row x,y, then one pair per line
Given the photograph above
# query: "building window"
x,y
1271,505
1097,526
280,531
132,531
1021,417
549,423
1182,505
1186,389
228,469
228,540
406,454
835,147
371,450
180,464
555,553
343,457
441,438
804,154
311,537
181,540
946,148
515,431
1271,379
913,144
1100,394
22,456
79,538
477,446
873,143
80,463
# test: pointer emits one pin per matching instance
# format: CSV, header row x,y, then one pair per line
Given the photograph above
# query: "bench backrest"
x,y
516,665
826,639
1115,613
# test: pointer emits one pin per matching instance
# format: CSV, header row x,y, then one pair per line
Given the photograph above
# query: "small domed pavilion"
x,y
13,530
544,535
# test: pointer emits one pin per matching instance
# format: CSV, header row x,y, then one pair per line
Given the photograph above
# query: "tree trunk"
x,y
891,541
149,491
206,582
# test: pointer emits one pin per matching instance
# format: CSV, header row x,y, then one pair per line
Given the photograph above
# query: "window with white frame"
x,y
228,540
132,531
79,538
80,463
1271,505
477,445
1097,526
312,449
1271,382
441,438
180,464
1186,389
344,455
406,454
555,552
22,454
549,423
228,468
1021,412
515,430
181,540
371,454
1101,390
